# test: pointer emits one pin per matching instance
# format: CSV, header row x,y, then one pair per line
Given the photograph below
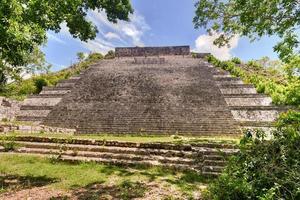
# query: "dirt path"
x,y
94,192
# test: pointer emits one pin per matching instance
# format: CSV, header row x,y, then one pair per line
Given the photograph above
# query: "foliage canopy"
x,y
24,23
253,19
265,169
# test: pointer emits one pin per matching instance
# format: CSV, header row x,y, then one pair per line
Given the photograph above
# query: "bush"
x,y
26,88
254,65
95,57
110,55
39,84
264,169
236,60
283,91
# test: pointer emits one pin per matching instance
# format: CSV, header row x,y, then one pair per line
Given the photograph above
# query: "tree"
x,y
253,19
36,62
80,56
23,24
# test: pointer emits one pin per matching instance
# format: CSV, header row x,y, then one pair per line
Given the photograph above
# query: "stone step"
x,y
116,149
218,169
255,115
36,107
253,108
235,82
46,88
211,174
162,132
227,79
195,152
220,163
30,118
236,91
71,80
34,113
66,85
199,146
119,162
41,95
214,157
129,162
220,75
257,124
41,102
246,102
225,86
256,95
113,156
55,92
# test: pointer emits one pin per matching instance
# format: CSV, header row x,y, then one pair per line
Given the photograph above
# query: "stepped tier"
x,y
250,109
157,95
37,107
178,95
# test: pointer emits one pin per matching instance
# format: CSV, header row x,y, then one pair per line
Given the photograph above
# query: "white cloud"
x,y
131,31
204,44
112,36
98,45
55,38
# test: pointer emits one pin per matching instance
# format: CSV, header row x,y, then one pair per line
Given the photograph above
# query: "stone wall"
x,y
9,108
151,51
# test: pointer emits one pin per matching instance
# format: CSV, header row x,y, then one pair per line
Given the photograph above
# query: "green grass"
x,y
128,182
135,137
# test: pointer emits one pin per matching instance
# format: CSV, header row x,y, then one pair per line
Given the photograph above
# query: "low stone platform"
x,y
207,158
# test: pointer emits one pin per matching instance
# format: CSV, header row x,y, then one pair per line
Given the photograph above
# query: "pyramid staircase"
x,y
37,107
251,109
218,104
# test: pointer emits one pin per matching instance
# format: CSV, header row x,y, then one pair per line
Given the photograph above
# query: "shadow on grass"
x,y
189,181
15,182
125,190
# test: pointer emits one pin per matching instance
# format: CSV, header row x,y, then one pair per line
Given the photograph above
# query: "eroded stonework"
x,y
9,109
151,51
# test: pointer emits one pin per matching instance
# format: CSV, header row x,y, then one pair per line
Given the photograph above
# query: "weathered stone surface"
x,y
165,93
151,51
117,96
9,109
147,61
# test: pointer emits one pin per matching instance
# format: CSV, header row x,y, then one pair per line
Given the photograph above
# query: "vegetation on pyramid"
x,y
265,168
282,86
20,88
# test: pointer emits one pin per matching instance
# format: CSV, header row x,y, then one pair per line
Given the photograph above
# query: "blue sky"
x,y
154,23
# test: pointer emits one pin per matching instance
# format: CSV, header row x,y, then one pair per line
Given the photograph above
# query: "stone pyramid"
x,y
157,90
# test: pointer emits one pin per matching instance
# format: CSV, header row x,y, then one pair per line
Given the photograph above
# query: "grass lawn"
x,y
19,172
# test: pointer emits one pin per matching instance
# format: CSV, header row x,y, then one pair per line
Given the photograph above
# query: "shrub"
x,y
110,55
26,88
283,91
8,143
39,84
236,60
254,65
95,57
263,169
